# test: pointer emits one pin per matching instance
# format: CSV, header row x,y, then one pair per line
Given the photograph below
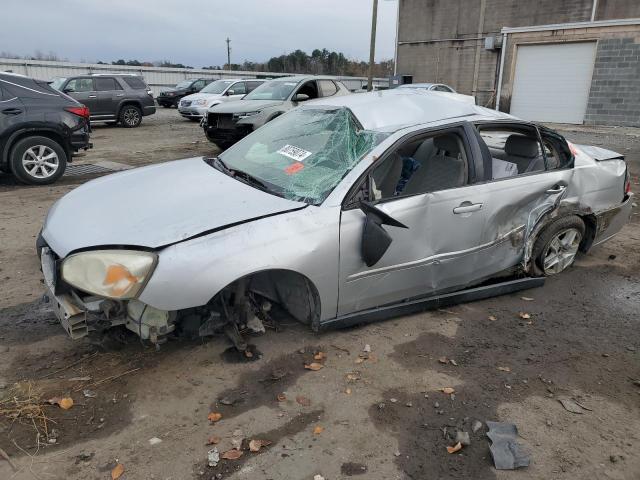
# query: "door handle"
x,y
12,111
556,189
467,207
92,96
119,94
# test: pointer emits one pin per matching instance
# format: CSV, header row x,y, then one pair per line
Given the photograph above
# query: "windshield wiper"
x,y
241,175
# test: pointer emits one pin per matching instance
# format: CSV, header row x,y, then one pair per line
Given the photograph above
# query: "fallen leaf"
x,y
447,390
117,471
256,445
453,362
320,356
213,440
318,430
443,360
304,401
456,448
314,366
570,406
281,397
524,315
348,391
504,369
232,454
493,318
214,417
63,402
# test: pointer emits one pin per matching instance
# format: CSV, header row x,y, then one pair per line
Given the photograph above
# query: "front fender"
x,y
306,241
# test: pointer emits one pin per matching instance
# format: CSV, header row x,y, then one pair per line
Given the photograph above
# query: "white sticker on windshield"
x,y
296,153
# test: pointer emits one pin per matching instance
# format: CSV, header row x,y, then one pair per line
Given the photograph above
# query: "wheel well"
x,y
34,133
129,102
591,227
290,290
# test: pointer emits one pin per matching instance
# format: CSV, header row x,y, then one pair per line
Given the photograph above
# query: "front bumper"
x,y
225,129
192,112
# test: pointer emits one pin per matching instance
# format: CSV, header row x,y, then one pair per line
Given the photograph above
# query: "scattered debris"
x,y
526,299
456,448
393,400
493,318
84,457
524,315
447,390
314,366
281,397
408,404
65,402
214,417
506,451
453,362
232,454
477,425
117,471
89,393
443,360
256,445
318,477
302,400
367,348
504,369
348,391
155,441
463,438
320,356
570,405
213,457
213,440
318,430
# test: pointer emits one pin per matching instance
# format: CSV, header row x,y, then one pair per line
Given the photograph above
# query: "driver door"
x,y
425,185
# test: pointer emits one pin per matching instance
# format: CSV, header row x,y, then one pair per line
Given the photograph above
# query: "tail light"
x,y
627,183
81,111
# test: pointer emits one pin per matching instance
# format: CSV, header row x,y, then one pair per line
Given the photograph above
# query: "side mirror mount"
x,y
231,92
375,239
68,90
300,97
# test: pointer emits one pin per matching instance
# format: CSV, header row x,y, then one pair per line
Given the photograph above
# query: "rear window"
x,y
135,82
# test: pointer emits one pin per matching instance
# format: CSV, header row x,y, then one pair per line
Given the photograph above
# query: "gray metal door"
x,y
552,82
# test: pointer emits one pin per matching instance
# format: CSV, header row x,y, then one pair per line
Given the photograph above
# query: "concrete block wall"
x,y
614,98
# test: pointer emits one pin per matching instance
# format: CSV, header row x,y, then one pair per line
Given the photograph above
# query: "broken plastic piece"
x,y
506,451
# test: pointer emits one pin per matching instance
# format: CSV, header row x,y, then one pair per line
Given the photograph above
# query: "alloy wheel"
x,y
40,161
561,251
131,116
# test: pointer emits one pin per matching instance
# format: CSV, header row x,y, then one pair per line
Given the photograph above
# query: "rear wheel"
x,y
38,160
130,116
557,246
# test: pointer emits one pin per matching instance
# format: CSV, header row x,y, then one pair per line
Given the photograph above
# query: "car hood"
x,y
197,96
155,206
245,106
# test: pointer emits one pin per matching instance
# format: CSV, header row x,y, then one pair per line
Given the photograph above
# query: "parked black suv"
x,y
171,97
40,128
110,98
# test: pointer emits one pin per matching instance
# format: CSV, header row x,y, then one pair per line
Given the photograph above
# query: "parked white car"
x,y
440,87
195,106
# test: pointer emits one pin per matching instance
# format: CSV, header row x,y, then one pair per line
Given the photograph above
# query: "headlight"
x,y
117,274
170,94
240,116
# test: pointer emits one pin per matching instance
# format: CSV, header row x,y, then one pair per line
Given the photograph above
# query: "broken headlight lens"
x,y
240,116
117,274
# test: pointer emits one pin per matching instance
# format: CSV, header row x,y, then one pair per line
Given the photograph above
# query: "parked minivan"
x,y
195,106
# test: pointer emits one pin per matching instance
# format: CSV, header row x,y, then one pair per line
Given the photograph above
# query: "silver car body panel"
x,y
188,109
211,230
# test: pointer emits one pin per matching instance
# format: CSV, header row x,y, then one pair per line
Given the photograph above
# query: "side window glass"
x,y
251,86
327,88
513,152
557,152
433,163
310,89
199,85
80,85
239,88
105,84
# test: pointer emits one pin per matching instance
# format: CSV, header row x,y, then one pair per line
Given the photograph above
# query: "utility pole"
x,y
228,53
372,50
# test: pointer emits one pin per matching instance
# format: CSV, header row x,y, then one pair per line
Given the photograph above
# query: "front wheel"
x,y
38,160
557,246
130,116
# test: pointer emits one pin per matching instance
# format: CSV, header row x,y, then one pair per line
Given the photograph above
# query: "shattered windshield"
x,y
304,154
273,90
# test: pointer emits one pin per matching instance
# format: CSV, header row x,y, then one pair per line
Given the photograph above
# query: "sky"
x,y
193,32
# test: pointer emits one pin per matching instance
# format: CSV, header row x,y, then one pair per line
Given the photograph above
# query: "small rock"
x,y
613,458
397,453
155,441
318,477
367,348
89,393
436,405
605,355
463,438
631,348
477,425
393,400
213,457
381,406
549,424
409,404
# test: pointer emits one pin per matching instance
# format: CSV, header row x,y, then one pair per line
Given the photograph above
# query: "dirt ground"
x,y
377,415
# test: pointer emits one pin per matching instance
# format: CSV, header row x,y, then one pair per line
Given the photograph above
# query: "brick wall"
x,y
614,98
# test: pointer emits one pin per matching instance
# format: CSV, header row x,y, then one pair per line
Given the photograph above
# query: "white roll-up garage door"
x,y
552,82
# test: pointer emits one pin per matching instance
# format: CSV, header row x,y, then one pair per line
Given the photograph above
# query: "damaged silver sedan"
x,y
342,211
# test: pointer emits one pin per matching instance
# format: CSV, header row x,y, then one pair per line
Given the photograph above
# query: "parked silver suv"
x,y
110,98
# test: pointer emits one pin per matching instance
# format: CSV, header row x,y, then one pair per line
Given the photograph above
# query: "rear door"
x,y
239,90
12,112
109,93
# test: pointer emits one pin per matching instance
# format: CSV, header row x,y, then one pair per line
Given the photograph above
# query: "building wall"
x,y
443,40
614,98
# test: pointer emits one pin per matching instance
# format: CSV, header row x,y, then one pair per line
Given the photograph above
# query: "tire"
x,y
130,116
557,245
38,160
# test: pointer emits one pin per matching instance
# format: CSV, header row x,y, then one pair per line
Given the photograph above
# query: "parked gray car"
x,y
110,97
344,210
227,123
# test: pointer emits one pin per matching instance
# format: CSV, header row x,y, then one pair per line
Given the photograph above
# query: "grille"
x,y
221,120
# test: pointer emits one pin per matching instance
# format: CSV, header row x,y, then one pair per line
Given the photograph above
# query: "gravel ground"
x,y
383,417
